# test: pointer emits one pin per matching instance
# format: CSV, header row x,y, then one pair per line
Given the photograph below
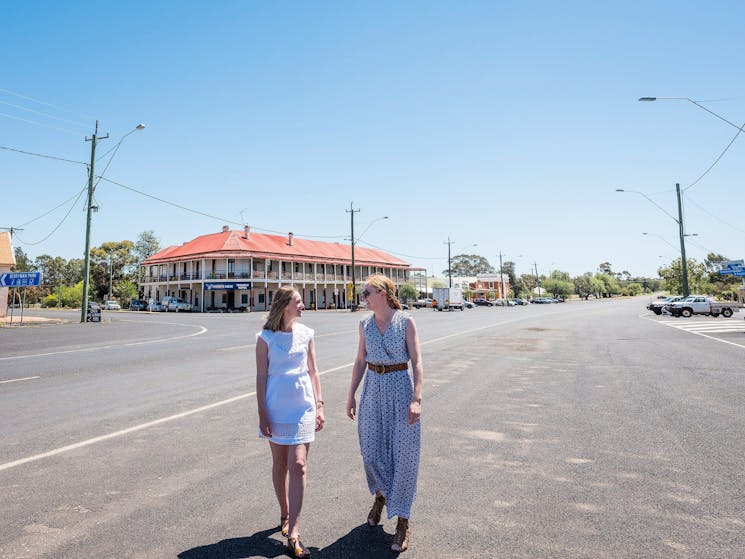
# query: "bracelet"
x,y
319,403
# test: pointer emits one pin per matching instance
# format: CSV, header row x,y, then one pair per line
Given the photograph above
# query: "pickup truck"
x,y
699,304
657,306
422,303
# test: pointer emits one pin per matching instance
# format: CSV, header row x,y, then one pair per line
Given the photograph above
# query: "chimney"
x,y
225,228
246,231
289,238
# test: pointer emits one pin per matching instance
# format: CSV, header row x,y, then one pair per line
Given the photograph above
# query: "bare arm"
x,y
358,370
262,370
412,345
316,382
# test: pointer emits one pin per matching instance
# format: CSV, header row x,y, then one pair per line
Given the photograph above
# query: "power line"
x,y
703,209
54,208
400,253
43,155
41,113
20,95
732,141
217,218
40,124
58,225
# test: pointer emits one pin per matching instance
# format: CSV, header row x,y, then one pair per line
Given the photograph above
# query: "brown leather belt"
x,y
383,369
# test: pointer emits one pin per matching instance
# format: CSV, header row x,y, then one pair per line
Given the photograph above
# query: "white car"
x,y
111,306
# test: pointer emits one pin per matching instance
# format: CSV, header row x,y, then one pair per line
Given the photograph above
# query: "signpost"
x,y
16,280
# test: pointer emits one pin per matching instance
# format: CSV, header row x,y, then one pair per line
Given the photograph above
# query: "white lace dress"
x,y
290,401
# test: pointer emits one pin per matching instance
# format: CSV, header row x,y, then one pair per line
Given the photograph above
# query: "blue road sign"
x,y
733,268
20,279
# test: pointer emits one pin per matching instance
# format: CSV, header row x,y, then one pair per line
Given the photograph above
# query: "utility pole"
x,y
351,211
501,274
681,230
537,281
111,278
89,205
450,271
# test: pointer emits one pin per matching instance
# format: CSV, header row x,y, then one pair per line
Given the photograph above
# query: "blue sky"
x,y
505,124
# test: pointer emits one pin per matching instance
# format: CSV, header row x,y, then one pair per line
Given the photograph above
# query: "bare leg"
x,y
279,475
297,459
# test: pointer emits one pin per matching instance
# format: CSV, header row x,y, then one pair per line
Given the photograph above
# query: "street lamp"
x,y
720,117
681,231
90,208
351,211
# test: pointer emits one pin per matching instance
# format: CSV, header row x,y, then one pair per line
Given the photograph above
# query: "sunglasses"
x,y
366,293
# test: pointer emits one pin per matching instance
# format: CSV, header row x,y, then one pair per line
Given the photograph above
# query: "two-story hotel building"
x,y
240,270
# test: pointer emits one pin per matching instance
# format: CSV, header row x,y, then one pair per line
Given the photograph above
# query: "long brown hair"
x,y
384,283
275,320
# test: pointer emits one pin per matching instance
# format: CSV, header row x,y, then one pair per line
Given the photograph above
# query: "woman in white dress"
x,y
288,392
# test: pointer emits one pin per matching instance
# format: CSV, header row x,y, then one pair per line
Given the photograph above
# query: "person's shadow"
x,y
362,542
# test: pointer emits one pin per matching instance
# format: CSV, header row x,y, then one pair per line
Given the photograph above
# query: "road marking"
x,y
201,331
140,427
697,330
17,379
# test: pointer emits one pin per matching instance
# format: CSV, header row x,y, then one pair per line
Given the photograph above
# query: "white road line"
x,y
670,324
17,379
201,331
140,427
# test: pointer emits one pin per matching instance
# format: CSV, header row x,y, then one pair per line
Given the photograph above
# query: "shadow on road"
x,y
363,542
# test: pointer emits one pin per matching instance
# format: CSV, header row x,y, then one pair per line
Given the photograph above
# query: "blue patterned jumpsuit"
x,y
389,444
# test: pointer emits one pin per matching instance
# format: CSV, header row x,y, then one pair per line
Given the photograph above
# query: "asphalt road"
x,y
587,429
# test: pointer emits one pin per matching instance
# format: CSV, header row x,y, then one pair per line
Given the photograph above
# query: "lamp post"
x,y
351,211
90,208
450,271
720,117
681,231
501,271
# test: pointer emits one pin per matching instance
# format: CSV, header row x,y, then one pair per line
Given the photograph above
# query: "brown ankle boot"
x,y
401,537
373,518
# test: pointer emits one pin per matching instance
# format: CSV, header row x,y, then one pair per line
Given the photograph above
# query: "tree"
x,y
123,266
605,268
583,285
469,265
52,269
23,262
558,288
608,284
407,292
509,269
698,280
146,245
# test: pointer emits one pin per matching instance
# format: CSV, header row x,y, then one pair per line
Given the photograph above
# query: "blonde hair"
x,y
275,319
384,283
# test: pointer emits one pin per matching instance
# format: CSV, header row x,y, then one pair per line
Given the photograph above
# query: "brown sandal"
x,y
373,518
401,537
296,547
284,525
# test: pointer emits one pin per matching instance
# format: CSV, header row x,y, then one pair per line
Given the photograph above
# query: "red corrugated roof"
x,y
233,244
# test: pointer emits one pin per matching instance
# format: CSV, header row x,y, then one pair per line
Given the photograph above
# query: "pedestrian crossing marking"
x,y
707,326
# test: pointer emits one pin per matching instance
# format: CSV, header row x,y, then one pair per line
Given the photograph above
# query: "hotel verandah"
x,y
240,270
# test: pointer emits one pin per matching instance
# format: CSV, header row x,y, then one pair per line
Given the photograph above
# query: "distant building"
x,y
489,286
240,270
7,261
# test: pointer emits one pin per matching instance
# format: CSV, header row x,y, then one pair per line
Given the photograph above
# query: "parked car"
x,y
175,304
701,304
482,303
111,306
503,303
468,304
657,306
423,303
154,306
137,305
519,302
